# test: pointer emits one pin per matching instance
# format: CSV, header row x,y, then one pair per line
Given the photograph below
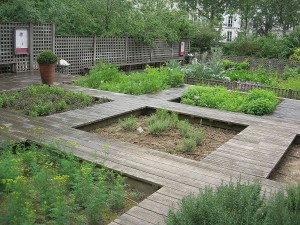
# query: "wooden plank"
x,y
127,219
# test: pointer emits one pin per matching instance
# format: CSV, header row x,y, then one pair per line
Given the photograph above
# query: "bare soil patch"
x,y
288,170
170,140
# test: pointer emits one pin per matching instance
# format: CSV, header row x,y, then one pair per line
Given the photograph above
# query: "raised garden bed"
x,y
168,132
288,169
44,100
256,102
42,185
109,78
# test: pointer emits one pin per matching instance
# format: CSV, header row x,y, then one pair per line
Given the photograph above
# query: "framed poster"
x,y
21,41
182,47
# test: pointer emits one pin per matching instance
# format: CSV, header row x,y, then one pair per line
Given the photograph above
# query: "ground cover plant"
x,y
44,100
109,78
164,131
42,185
256,102
238,204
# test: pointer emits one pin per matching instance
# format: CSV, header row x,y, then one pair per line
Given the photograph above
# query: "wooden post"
x,y
151,54
94,50
31,64
290,93
53,37
126,50
234,86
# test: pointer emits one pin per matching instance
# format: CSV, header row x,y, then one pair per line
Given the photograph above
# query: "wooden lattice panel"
x,y
161,50
42,40
111,50
138,52
78,51
7,49
275,65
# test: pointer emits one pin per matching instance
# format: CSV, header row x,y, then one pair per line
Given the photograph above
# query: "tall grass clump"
x,y
128,123
162,120
256,102
237,204
109,78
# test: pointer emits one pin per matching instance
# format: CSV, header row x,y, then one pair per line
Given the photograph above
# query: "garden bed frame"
x,y
250,156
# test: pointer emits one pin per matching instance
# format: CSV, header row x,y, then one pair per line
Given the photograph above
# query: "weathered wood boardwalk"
x,y
250,156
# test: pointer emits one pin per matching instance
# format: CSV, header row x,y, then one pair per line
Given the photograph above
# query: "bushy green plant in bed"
x,y
237,204
44,100
42,185
256,102
107,77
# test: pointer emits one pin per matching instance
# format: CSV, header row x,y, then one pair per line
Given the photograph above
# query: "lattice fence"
x,y
42,40
78,51
275,65
7,48
111,50
81,52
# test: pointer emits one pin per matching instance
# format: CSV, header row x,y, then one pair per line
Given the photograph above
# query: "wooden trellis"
x,y
81,52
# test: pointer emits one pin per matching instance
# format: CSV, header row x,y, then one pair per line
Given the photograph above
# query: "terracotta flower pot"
x,y
47,73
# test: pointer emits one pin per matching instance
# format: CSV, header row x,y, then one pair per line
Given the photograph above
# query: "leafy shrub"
x,y
207,69
42,109
46,57
296,55
227,64
243,65
128,123
238,204
290,73
203,37
108,78
259,102
264,47
256,102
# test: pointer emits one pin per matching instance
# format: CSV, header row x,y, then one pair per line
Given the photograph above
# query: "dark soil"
x,y
288,171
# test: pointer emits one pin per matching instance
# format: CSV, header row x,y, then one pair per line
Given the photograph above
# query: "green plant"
x,y
189,145
227,64
107,77
128,123
46,57
44,185
257,102
296,55
158,126
43,100
238,204
290,73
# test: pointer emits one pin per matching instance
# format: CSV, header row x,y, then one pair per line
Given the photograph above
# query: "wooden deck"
x,y
250,156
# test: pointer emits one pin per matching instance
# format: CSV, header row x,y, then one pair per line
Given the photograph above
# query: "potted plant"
x,y
47,61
